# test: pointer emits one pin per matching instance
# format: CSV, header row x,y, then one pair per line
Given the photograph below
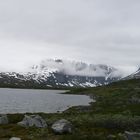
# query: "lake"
x,y
35,101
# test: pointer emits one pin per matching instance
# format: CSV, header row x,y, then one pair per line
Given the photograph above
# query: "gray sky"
x,y
94,31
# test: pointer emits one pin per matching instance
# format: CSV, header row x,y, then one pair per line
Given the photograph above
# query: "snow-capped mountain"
x,y
135,75
60,73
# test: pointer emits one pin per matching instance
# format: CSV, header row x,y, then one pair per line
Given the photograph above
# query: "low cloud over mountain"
x,y
77,68
57,73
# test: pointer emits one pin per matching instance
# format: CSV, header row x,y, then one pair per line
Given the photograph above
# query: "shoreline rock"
x,y
4,119
62,126
33,121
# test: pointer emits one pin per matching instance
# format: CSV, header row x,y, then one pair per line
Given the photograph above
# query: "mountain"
x,y
60,73
135,75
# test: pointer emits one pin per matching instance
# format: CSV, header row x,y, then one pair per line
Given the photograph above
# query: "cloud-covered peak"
x,y
75,68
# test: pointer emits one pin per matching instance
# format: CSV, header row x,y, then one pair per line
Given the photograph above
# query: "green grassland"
x,y
117,109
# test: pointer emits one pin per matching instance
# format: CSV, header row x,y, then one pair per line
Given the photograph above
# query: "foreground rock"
x,y
135,100
33,120
3,119
111,137
132,135
122,136
14,138
62,126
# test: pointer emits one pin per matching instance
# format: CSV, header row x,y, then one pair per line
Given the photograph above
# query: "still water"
x,y
34,101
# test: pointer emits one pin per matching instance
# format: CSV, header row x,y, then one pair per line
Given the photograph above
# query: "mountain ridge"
x,y
135,75
57,73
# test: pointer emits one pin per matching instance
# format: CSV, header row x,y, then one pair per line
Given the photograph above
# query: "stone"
x,y
33,121
135,100
111,137
3,119
62,126
122,136
132,135
15,138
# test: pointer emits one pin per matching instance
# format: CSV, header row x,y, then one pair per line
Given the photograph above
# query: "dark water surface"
x,y
34,101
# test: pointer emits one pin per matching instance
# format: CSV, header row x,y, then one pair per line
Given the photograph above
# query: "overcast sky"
x,y
94,31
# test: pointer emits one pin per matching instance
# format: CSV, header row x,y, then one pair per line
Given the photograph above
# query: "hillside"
x,y
116,97
135,75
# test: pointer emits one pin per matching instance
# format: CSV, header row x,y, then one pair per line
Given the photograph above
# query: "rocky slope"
x,y
60,73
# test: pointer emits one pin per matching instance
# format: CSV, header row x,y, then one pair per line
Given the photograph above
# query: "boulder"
x,y
33,120
132,135
3,119
122,136
15,138
135,100
111,137
62,126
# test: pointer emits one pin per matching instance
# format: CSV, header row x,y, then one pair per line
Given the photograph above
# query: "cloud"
x,y
76,68
94,31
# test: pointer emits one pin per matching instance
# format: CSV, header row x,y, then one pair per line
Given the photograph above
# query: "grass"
x,y
114,112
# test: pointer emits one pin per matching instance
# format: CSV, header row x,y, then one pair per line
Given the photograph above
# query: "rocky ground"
x,y
114,116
